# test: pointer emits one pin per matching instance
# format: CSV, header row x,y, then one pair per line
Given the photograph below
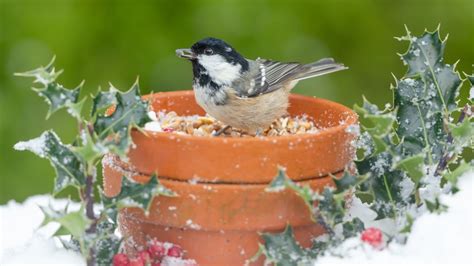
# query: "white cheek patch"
x,y
221,71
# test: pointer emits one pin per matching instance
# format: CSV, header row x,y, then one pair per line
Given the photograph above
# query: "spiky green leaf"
x,y
425,59
352,228
282,181
462,168
104,99
54,93
135,195
114,129
70,170
413,166
282,249
346,181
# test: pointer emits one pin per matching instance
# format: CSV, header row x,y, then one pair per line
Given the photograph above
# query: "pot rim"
x,y
351,119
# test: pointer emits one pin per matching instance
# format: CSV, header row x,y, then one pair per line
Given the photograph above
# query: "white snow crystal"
x,y
152,115
153,126
36,145
416,52
409,81
407,186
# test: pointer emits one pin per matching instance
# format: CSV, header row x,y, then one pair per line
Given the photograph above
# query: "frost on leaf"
x,y
440,79
282,249
114,129
54,93
425,96
69,168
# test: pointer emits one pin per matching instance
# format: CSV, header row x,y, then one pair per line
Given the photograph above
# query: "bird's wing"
x,y
266,76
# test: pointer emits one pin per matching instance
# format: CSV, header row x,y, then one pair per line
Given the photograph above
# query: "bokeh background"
x,y
116,41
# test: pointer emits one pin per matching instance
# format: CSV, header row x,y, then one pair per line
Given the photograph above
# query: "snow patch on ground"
x,y
445,238
22,243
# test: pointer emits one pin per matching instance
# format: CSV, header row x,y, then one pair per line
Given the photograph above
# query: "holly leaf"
x,y
104,99
425,59
352,228
114,129
282,248
107,243
72,223
377,123
461,169
54,93
282,182
420,125
462,134
69,168
413,166
135,195
470,78
425,95
345,182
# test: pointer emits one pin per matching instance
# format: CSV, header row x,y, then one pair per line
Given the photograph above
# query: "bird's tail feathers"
x,y
321,67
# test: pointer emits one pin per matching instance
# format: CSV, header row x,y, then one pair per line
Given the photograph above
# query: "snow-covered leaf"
x,y
282,248
413,166
352,228
54,93
69,168
114,129
346,181
107,243
420,123
425,59
377,123
462,168
463,134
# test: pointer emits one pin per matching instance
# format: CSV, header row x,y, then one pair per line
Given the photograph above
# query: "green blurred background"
x,y
116,41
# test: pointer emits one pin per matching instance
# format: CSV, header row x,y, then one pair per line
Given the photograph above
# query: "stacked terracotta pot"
x,y
222,205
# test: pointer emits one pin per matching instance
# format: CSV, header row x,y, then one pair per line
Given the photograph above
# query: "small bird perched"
x,y
243,93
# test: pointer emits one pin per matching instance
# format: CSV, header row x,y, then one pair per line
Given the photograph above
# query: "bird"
x,y
242,93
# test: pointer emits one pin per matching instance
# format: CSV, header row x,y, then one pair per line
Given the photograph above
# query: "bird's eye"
x,y
208,51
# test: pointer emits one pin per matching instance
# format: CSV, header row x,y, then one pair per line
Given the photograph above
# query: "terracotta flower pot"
x,y
222,204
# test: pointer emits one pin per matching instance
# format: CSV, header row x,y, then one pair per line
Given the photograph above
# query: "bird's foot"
x,y
220,131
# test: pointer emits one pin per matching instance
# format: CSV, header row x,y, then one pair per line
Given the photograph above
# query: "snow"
x,y
36,145
445,238
22,243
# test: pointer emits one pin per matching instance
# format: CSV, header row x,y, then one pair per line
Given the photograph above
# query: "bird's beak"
x,y
186,53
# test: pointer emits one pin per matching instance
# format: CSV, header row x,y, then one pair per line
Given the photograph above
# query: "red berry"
x,y
144,255
120,259
168,129
156,264
372,236
137,262
175,251
156,250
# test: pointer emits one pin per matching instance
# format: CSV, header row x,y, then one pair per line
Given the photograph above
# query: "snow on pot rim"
x,y
251,159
